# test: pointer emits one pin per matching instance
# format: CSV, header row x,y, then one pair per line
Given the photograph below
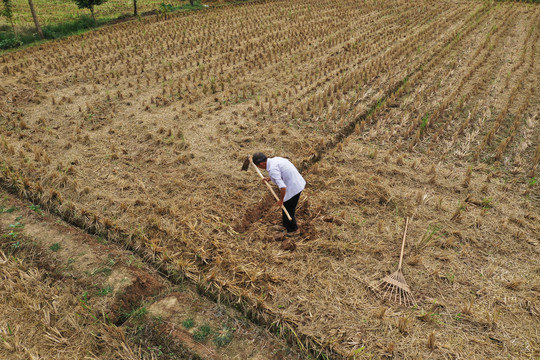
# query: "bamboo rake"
x,y
395,286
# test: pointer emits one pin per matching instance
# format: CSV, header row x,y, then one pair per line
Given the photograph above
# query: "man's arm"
x,y
275,176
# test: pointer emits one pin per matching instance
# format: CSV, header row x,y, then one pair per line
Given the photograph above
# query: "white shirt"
x,y
283,173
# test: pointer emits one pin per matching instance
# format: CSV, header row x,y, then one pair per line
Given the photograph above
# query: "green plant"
x,y
12,235
533,181
10,43
132,260
223,336
36,208
193,5
67,28
84,297
427,238
7,12
105,291
104,270
16,225
188,323
8,210
166,8
138,313
486,203
202,333
424,122
90,5
55,247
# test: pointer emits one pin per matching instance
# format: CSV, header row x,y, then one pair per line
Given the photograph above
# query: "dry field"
x,y
30,299
65,294
390,109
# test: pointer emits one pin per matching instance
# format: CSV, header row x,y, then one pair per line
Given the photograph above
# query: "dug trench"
x,y
262,216
122,293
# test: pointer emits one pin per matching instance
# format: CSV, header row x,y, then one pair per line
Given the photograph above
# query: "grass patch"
x,y
188,323
16,225
487,203
55,247
27,35
166,8
102,240
424,122
104,270
36,209
223,336
54,31
105,291
83,23
9,42
202,333
138,313
8,210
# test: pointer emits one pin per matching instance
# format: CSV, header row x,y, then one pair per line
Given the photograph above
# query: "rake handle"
x,y
403,243
270,188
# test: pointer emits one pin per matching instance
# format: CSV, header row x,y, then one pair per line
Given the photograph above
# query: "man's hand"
x,y
280,203
266,179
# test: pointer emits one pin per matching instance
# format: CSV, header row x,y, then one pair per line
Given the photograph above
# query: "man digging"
x,y
283,173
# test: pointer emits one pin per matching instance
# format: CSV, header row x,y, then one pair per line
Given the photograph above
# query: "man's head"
x,y
259,159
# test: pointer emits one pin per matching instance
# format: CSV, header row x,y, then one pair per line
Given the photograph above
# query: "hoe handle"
x,y
270,188
403,243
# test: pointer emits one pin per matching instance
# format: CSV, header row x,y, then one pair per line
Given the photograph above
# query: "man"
x,y
283,173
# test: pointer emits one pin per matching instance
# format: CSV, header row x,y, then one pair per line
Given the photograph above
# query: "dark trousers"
x,y
290,205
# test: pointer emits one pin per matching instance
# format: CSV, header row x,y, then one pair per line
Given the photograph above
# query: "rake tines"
x,y
394,287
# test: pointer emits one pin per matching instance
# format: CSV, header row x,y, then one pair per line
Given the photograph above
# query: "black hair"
x,y
258,158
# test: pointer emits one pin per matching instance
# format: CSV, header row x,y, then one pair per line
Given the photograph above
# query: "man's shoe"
x,y
293,233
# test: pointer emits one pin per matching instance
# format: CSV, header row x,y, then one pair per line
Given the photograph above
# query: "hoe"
x,y
245,166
